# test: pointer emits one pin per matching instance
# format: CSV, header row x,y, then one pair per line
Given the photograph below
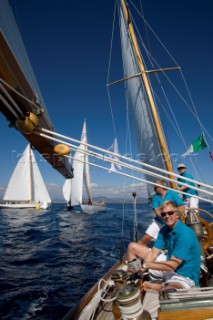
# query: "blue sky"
x,y
68,43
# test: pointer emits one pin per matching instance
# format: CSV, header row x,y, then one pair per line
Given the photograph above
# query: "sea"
x,y
51,258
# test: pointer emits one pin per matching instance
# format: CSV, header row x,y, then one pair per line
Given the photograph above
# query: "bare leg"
x,y
158,286
136,250
151,286
174,285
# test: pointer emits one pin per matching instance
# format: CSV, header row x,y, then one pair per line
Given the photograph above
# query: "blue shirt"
x,y
182,243
157,200
188,190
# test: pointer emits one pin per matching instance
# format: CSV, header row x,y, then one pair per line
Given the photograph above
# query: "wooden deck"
x,y
105,312
158,310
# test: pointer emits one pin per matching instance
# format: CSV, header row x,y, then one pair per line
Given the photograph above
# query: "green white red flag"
x,y
197,145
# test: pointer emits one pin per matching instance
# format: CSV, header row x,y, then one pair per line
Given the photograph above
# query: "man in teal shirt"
x,y
190,200
180,267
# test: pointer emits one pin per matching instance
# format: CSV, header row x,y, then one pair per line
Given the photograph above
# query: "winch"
x,y
130,305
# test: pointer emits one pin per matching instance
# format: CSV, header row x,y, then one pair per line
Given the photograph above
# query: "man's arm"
x,y
152,255
182,188
169,265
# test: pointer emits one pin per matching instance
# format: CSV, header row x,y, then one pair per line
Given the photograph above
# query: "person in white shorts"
x,y
180,266
190,200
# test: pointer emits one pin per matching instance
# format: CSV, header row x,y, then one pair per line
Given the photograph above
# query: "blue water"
x,y
50,259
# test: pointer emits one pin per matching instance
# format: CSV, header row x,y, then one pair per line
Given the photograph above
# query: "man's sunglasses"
x,y
170,213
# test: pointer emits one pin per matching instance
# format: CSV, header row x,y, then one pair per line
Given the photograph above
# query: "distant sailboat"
x,y
73,188
26,188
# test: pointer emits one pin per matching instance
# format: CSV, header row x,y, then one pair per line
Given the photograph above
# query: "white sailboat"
x,y
73,188
26,188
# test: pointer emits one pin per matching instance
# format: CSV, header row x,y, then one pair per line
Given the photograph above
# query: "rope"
x,y
100,291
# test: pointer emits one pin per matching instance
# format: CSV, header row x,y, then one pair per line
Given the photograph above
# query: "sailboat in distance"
x,y
26,188
73,188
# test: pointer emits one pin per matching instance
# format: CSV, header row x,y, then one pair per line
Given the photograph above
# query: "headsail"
x,y
39,188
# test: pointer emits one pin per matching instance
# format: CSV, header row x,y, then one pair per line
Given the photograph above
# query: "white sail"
x,y
68,182
78,167
73,188
26,183
67,190
19,187
87,182
40,192
146,135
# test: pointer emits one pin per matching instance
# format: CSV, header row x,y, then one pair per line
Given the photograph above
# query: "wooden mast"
x,y
149,94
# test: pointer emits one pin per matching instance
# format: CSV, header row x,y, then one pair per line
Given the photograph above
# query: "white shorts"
x,y
154,229
191,202
167,277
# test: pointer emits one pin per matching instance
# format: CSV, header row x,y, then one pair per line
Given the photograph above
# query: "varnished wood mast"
x,y
149,94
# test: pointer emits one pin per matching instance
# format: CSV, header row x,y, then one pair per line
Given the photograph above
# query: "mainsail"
x,y
150,149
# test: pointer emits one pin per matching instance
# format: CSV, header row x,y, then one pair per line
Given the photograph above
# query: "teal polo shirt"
x,y
188,190
182,243
170,195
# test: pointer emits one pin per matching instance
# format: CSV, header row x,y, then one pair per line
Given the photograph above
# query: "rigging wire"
x,y
105,158
195,113
108,74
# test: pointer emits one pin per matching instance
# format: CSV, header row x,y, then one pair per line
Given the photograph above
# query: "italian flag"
x,y
197,145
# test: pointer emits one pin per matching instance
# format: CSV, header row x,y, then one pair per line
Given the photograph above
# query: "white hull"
x,y
87,208
19,205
